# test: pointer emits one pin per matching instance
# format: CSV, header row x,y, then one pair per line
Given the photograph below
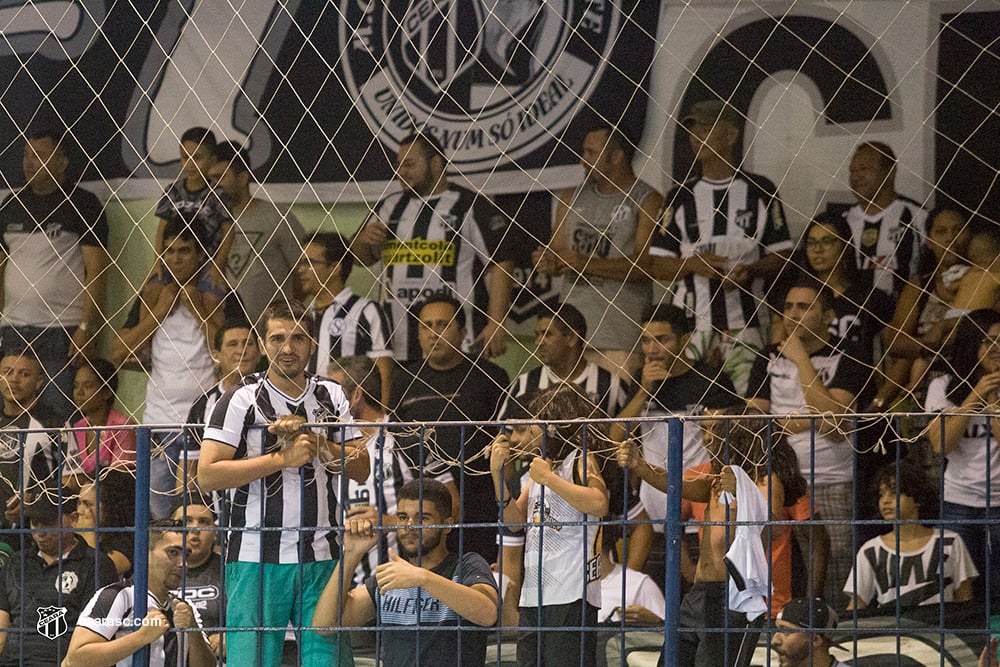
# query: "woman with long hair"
x,y
102,444
967,437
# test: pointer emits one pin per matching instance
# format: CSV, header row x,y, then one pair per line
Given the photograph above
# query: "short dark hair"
x,y
909,479
233,153
430,490
292,309
50,132
160,527
199,135
567,319
228,325
360,371
668,313
884,152
336,248
991,234
616,138
185,228
442,298
823,293
432,147
24,351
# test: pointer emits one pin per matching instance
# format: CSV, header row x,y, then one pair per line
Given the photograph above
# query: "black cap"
x,y
800,610
45,507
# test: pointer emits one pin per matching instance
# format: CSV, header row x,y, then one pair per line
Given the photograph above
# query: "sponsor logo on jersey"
x,y
418,251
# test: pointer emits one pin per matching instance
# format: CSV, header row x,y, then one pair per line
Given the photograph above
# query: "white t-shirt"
x,y
923,572
965,475
640,589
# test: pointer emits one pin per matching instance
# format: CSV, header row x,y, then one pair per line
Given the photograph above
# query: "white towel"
x,y
746,561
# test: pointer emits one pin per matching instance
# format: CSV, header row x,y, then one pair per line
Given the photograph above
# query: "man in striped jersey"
x,y
107,632
435,239
559,345
376,496
348,324
281,475
888,229
236,356
721,237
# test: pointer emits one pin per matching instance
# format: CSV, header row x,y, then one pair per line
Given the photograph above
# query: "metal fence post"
x,y
140,556
674,532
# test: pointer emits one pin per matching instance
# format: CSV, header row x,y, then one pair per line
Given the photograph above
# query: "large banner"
x,y
322,92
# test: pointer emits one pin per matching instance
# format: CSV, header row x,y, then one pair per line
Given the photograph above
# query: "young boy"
x,y
907,564
191,196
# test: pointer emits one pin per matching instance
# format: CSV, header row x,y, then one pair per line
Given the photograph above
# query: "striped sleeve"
x,y
107,610
228,417
376,325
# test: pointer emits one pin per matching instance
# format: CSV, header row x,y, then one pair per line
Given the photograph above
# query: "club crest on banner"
x,y
490,79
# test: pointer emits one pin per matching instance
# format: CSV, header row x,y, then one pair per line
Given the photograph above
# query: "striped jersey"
x,y
197,418
109,614
439,246
29,457
292,498
351,326
389,472
888,242
740,218
607,390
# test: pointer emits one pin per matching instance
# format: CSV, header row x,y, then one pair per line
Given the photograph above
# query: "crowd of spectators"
x,y
880,305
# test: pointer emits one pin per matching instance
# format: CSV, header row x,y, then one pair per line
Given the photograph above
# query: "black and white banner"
x,y
322,92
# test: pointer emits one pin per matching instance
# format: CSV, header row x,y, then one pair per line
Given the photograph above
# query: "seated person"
x,y
112,505
424,587
103,445
643,604
912,549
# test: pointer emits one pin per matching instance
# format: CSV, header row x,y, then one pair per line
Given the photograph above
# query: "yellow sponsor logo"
x,y
418,252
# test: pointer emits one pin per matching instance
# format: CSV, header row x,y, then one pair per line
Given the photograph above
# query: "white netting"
x,y
321,96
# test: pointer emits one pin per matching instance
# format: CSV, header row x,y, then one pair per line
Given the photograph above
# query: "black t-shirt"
x,y
68,583
703,385
467,392
439,643
203,591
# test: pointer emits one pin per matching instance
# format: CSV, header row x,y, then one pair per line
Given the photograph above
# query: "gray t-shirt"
x,y
604,226
263,256
438,644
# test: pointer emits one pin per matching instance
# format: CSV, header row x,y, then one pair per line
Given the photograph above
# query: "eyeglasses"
x,y
824,243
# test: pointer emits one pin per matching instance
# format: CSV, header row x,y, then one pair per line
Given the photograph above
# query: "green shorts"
x,y
290,595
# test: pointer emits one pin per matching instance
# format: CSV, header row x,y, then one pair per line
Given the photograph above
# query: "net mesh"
x,y
510,89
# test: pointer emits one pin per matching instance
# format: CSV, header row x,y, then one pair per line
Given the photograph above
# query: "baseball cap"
x,y
710,112
798,612
45,507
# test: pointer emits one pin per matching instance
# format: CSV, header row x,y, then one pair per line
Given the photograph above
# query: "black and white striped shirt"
x,y
439,246
109,614
607,390
888,242
389,472
197,418
293,497
351,326
740,218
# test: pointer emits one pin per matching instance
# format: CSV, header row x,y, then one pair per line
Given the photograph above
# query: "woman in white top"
x,y
967,438
563,501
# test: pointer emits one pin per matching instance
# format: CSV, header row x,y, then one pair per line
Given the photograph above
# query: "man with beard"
x,y
434,238
803,638
424,586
